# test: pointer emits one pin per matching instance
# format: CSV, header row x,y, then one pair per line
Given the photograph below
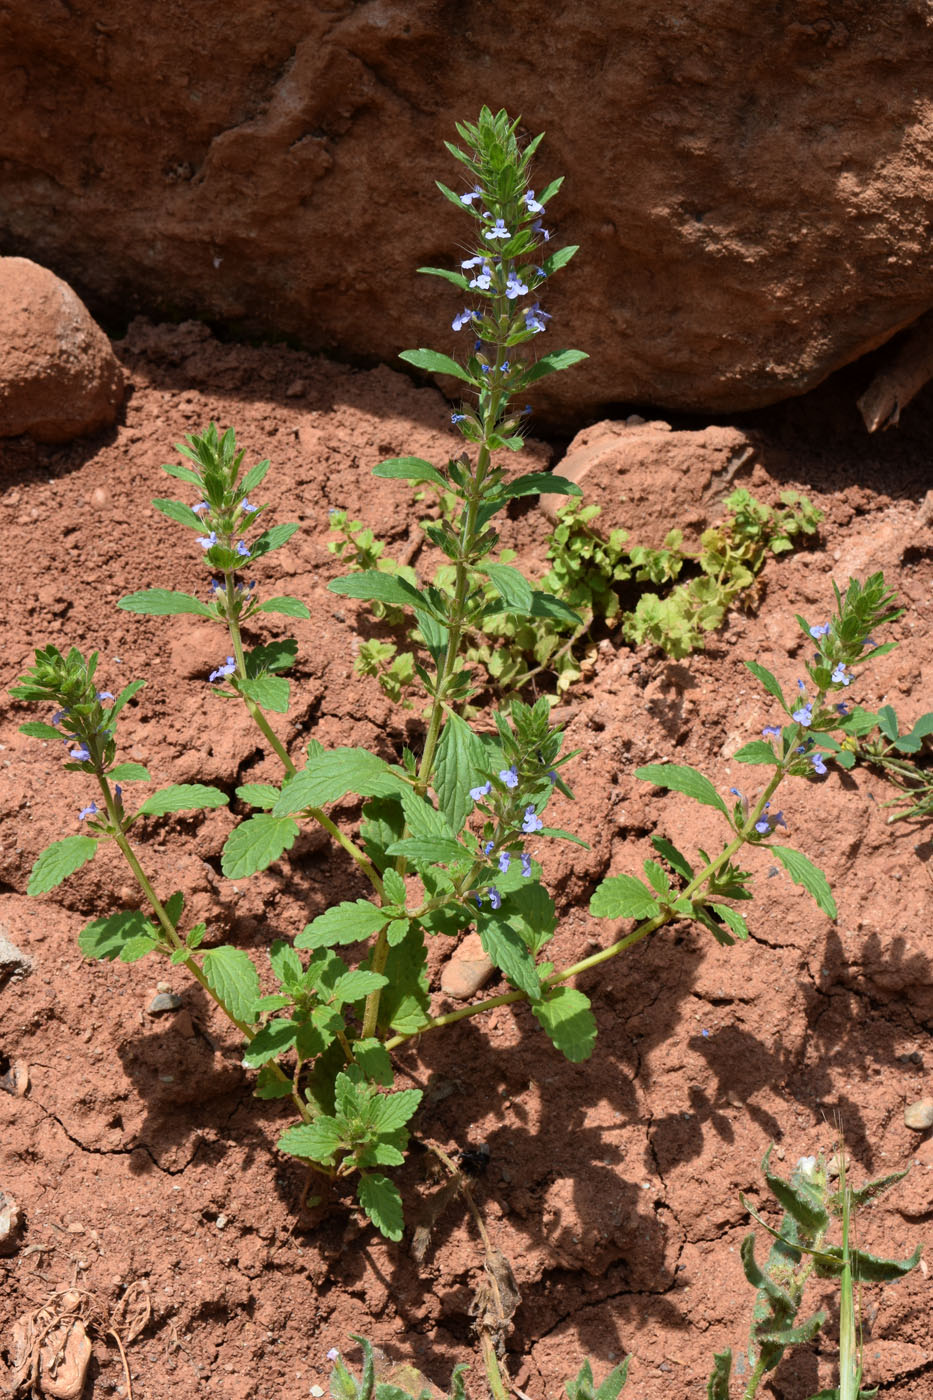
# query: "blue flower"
x,y
118,794
535,318
205,541
243,549
89,811
514,286
526,864
538,227
201,505
495,898
805,714
483,279
817,761
842,708
58,716
462,318
772,731
765,824
839,674
532,204
104,695
245,505
869,642
488,847
479,902
509,776
479,792
472,262
532,821
474,193
216,587
822,630
81,754
227,670
504,861
458,418
498,229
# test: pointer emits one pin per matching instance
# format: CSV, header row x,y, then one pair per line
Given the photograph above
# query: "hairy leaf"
x,y
232,976
256,843
60,860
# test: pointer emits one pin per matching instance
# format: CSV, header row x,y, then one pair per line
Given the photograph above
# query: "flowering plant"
x,y
451,836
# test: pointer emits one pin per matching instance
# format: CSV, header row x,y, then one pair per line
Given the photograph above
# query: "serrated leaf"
x,y
435,363
182,797
732,919
549,364
178,511
351,921
428,850
675,859
271,539
422,819
139,947
37,729
394,886
374,1060
680,778
623,897
316,1142
513,588
269,692
262,795
163,602
232,976
507,949
803,872
769,681
290,607
60,860
409,469
566,1017
393,1111
256,843
397,931
270,1085
459,761
104,938
130,773
717,1387
381,1201
331,774
274,1039
758,751
384,588
355,985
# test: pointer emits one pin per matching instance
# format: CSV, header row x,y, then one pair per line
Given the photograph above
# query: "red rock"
x,y
59,378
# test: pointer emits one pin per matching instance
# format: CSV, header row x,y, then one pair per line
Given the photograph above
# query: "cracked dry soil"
x,y
138,1153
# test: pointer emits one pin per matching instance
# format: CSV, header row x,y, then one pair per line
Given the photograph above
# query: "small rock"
x,y
11,1224
919,1115
16,1079
469,969
59,377
165,1001
13,962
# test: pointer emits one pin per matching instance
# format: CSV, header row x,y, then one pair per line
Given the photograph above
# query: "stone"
x,y
13,963
919,1115
649,477
163,1003
59,377
469,969
749,186
11,1224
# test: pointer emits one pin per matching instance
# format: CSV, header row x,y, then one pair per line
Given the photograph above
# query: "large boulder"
x,y
750,184
59,378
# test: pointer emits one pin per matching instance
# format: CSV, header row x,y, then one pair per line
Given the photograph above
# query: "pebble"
x,y
11,1224
919,1115
469,969
165,1001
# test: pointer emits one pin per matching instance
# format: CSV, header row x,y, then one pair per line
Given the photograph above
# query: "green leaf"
x,y
182,473
331,774
106,938
435,363
623,897
385,588
348,922
129,773
36,729
717,1387
374,1060
262,795
566,1017
136,948
162,602
182,797
178,511
428,850
507,949
680,778
803,872
60,860
392,1111
732,919
277,655
381,1201
457,278
394,886
539,484
459,761
317,1142
274,1039
513,588
285,962
675,859
256,843
253,478
291,607
272,539
355,985
270,1085
269,692
422,819
126,694
232,976
769,681
887,722
549,364
409,469
758,751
